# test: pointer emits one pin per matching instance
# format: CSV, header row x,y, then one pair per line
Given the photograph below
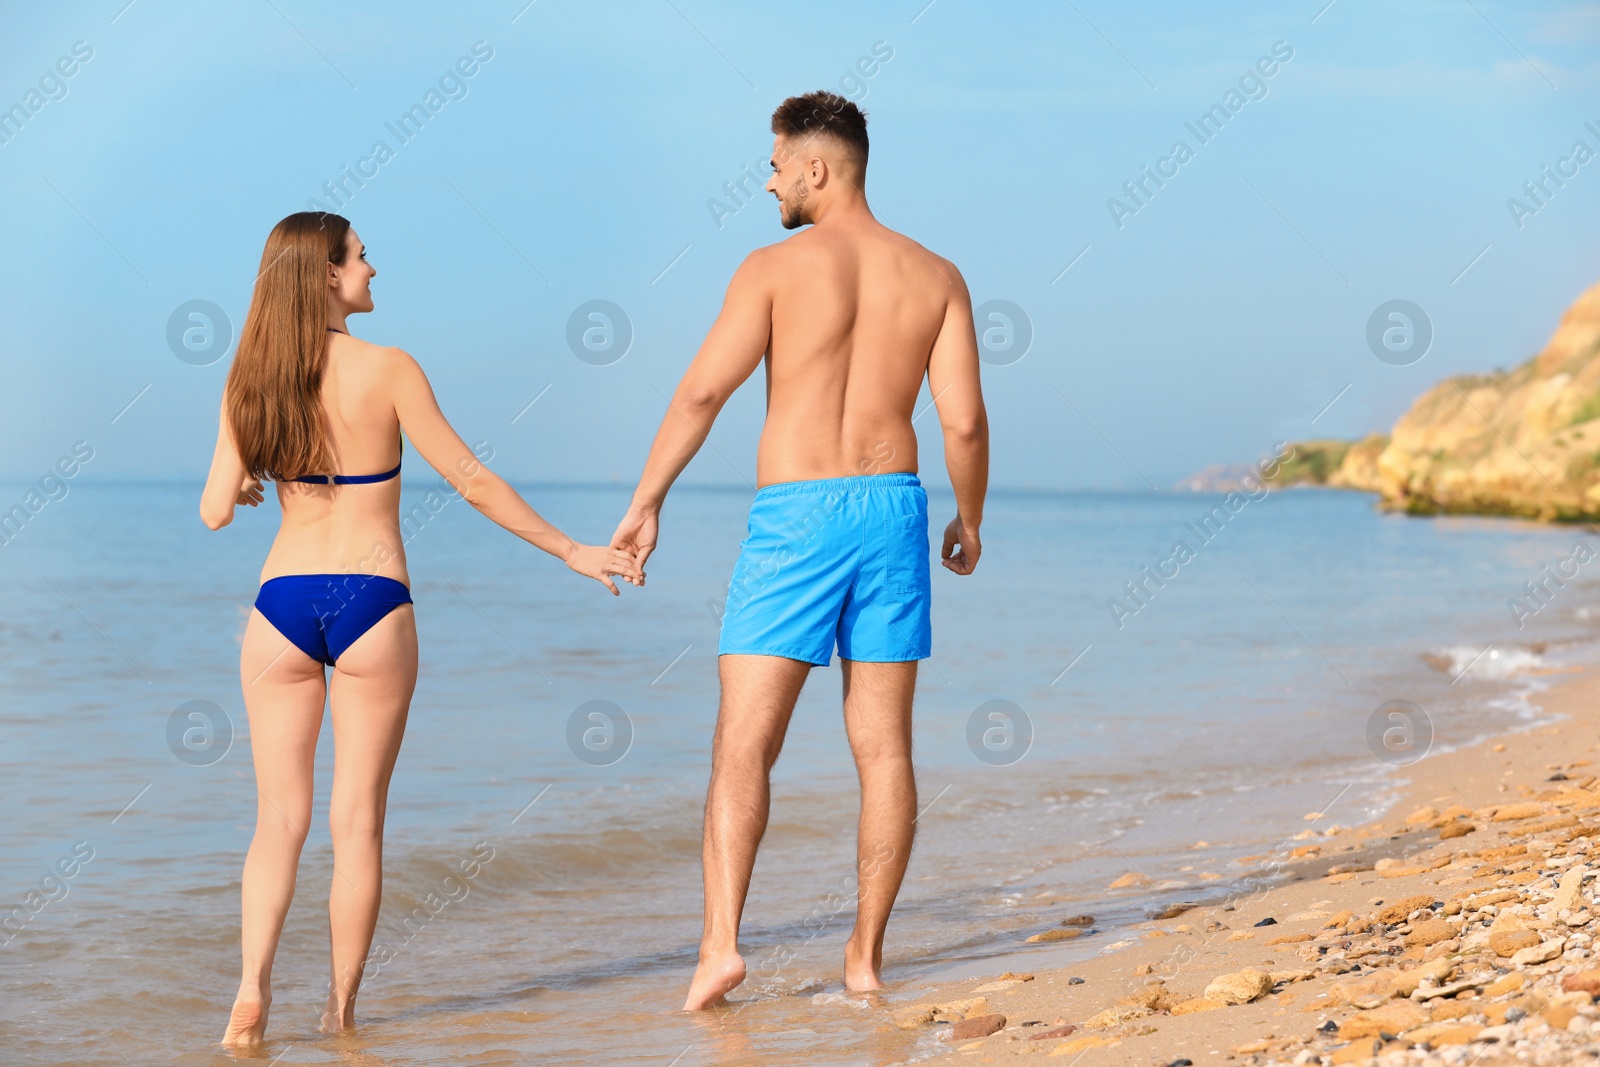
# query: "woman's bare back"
x,y
338,529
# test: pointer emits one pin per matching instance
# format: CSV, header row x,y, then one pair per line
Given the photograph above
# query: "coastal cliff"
x,y
1523,442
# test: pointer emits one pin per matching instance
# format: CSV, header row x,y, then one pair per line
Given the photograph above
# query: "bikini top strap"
x,y
348,479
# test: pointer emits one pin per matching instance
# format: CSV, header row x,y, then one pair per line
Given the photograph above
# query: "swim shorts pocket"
x,y
905,544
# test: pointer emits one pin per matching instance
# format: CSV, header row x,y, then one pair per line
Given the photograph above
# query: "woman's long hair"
x,y
274,390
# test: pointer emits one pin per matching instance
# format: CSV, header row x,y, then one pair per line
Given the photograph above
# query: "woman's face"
x,y
349,289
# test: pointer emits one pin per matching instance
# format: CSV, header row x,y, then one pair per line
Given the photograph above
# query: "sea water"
x,y
1099,702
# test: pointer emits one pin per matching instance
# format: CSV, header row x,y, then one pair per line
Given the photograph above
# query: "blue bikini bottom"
x,y
324,614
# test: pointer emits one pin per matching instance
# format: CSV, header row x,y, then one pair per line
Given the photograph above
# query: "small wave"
x,y
841,1000
1455,660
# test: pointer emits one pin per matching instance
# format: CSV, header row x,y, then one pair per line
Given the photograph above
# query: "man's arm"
x,y
958,394
730,353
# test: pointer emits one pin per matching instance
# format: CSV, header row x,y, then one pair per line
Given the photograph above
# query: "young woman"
x,y
320,413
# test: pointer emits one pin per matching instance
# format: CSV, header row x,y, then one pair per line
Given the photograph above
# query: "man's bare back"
x,y
855,310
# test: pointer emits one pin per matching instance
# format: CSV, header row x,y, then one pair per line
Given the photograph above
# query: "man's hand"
x,y
959,533
600,563
249,493
636,535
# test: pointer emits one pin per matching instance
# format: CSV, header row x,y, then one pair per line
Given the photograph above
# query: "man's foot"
x,y
247,1024
861,968
715,976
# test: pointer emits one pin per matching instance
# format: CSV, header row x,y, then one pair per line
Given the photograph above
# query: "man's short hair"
x,y
824,114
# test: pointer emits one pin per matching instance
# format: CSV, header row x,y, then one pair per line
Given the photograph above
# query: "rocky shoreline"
x,y
1521,443
1457,932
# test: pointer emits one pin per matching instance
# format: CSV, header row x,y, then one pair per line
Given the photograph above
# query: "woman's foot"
x,y
339,1018
247,1024
713,978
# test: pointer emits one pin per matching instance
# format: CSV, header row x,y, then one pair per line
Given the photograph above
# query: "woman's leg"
x,y
284,692
370,695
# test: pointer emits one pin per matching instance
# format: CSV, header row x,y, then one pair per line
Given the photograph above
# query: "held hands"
x,y
959,533
249,493
600,563
636,535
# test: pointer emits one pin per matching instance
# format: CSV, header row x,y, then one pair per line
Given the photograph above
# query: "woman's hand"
x,y
249,493
601,562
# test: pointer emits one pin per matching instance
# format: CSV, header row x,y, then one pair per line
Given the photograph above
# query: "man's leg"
x,y
877,717
758,695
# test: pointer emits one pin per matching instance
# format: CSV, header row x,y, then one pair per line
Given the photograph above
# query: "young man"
x,y
850,316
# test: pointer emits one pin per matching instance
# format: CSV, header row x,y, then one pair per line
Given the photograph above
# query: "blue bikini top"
x,y
349,479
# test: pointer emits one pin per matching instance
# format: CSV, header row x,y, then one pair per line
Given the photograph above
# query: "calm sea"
x,y
542,897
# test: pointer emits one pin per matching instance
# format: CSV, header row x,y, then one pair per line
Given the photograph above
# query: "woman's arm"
x,y
227,486
447,453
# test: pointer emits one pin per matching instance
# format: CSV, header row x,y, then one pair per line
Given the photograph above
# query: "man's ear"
x,y
817,172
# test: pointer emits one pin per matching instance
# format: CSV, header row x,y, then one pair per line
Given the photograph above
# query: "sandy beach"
x,y
1457,929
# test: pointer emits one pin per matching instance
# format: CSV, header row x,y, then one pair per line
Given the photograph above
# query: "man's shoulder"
x,y
922,261
795,244
770,261
932,256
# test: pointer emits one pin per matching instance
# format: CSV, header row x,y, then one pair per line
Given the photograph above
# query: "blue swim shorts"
x,y
837,561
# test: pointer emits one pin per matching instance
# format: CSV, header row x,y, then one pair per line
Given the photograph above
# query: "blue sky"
x,y
577,164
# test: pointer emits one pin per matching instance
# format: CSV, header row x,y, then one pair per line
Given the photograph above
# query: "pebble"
x,y
1582,982
1394,1018
1401,909
977,1026
1543,953
1566,898
1507,943
1509,983
1240,987
1430,932
1517,812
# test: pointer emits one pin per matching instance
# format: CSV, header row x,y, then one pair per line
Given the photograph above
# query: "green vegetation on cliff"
x,y
1312,463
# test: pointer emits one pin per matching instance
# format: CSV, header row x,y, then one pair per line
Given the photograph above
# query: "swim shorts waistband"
x,y
859,483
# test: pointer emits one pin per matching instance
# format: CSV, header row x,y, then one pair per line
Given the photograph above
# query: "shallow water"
x,y
1235,699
